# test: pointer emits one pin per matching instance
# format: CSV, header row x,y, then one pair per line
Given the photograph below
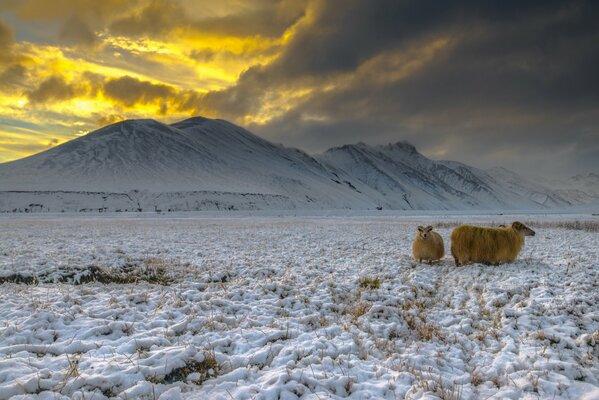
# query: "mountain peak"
x,y
345,147
190,122
128,125
137,122
402,145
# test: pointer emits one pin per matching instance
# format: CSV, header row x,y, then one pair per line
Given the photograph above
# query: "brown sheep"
x,y
428,245
474,244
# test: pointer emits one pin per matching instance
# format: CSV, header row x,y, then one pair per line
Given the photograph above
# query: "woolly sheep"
x,y
428,245
474,244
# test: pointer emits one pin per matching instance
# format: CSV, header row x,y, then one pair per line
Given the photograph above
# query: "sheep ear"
x,y
517,225
420,228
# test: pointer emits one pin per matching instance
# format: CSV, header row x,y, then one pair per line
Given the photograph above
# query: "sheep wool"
x,y
428,245
475,244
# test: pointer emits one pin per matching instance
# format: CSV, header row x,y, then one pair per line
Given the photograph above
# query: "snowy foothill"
x,y
190,306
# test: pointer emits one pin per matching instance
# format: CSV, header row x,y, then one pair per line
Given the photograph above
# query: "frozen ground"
x,y
295,307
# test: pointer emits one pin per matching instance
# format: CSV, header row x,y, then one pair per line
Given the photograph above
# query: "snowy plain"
x,y
251,306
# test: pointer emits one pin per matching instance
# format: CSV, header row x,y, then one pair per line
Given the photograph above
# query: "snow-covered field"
x,y
207,307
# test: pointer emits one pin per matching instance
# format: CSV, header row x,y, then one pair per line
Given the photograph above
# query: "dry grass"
x,y
433,383
577,225
150,270
358,309
370,283
207,368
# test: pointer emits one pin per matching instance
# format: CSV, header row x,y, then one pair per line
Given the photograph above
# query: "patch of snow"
x,y
265,307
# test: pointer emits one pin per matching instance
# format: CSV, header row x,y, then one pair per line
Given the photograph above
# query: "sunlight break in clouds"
x,y
101,62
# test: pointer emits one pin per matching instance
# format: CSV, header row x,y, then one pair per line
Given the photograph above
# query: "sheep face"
x,y
424,233
523,229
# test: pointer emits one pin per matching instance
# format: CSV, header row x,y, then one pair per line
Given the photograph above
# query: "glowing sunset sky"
x,y
487,83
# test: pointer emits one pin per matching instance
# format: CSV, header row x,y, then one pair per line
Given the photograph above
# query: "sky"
x,y
489,83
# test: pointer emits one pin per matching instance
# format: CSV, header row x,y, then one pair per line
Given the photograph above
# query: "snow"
x,y
264,307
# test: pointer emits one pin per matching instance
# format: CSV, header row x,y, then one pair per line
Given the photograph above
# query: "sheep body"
x,y
475,244
428,245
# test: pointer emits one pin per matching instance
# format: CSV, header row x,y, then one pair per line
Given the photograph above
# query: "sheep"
x,y
428,245
471,244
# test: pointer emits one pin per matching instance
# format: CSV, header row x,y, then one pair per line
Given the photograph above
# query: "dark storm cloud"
x,y
130,91
123,91
55,88
514,79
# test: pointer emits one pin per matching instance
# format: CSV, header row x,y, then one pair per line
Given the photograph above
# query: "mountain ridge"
x,y
202,155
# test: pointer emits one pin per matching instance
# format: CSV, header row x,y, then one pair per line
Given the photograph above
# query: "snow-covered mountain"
x,y
198,163
580,189
410,180
202,163
588,183
525,187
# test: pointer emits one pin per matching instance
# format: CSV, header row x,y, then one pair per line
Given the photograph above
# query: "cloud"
x,y
158,17
6,35
130,91
6,42
42,10
269,18
474,81
461,79
54,88
109,119
76,31
13,75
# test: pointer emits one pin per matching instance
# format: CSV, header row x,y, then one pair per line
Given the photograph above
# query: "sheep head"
x,y
523,229
424,233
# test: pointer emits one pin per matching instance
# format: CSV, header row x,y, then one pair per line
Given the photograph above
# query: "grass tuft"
x,y
370,283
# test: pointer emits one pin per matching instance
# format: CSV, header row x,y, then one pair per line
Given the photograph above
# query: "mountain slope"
x,y
135,154
413,181
195,155
524,187
582,189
